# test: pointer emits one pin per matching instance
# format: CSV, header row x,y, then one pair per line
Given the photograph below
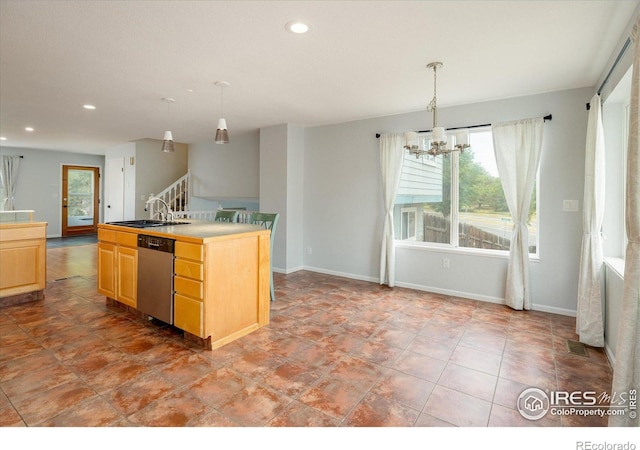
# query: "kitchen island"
x,y
221,275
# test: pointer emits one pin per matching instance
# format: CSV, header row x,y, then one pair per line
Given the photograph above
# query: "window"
x,y
459,197
408,224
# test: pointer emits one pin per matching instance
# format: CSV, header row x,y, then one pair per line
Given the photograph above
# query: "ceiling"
x,y
360,59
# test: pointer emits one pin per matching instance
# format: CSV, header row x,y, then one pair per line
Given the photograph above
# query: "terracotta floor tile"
x,y
50,403
420,366
357,372
188,369
297,414
254,406
427,420
332,397
378,353
291,378
138,393
29,362
178,409
404,389
218,386
393,337
477,359
114,375
9,417
36,381
485,341
434,349
468,381
457,408
93,412
319,355
376,411
542,376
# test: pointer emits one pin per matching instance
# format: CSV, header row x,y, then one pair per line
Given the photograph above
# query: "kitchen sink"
x,y
146,223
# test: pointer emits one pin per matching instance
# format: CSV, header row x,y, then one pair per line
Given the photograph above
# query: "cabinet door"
x,y
188,315
107,269
127,276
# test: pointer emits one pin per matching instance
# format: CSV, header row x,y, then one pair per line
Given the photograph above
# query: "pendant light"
x,y
222,136
167,144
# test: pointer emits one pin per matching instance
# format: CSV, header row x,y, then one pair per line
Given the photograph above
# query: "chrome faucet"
x,y
166,206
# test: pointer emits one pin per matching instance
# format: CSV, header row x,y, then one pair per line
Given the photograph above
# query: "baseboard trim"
x,y
449,292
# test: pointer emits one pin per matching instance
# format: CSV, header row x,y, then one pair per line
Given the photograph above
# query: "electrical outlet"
x,y
309,250
445,263
570,205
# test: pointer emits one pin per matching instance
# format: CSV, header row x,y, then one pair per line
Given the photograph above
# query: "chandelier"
x,y
439,144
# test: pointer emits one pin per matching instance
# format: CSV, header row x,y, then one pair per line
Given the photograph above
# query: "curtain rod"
x,y
549,117
615,63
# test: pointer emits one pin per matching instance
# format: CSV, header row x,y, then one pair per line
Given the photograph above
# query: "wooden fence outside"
x,y
437,229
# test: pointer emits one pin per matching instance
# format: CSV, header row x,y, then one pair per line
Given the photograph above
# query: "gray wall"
x,y
40,182
230,171
343,209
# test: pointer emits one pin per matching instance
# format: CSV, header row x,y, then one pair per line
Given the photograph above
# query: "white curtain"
x,y
589,321
391,161
517,147
626,372
10,166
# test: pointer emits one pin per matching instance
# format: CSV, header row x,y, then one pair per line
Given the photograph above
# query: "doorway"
x,y
80,201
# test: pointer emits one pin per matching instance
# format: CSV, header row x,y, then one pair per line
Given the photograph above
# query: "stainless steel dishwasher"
x,y
155,277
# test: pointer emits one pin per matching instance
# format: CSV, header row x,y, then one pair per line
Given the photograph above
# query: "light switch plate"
x,y
570,205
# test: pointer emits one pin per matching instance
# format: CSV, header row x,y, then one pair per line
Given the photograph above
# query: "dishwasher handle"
x,y
160,244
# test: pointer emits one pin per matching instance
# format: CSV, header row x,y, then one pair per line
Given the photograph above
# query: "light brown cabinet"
x,y
23,259
118,266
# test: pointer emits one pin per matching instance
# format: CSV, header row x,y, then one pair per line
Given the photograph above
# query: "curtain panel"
x,y
391,161
517,146
10,167
589,318
626,371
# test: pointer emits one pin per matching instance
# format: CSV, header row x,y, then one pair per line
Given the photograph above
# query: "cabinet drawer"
x,y
188,315
189,251
188,287
189,269
127,239
107,235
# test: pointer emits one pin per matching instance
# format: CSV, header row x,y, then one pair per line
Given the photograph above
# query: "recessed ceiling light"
x,y
297,27
28,129
88,107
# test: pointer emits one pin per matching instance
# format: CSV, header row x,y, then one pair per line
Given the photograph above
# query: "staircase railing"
x,y
177,196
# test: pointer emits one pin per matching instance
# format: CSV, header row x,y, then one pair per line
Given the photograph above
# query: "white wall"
x,y
40,182
343,202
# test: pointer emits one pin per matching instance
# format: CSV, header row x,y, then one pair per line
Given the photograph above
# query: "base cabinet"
x,y
23,258
118,266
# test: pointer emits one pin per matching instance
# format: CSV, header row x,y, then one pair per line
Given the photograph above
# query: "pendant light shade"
x,y
222,135
167,143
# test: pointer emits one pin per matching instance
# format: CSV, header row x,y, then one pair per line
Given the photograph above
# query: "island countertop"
x,y
192,230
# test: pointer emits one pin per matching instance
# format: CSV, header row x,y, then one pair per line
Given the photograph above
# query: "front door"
x,y
80,203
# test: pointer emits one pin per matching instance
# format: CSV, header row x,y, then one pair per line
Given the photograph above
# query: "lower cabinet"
x,y
118,266
23,258
127,275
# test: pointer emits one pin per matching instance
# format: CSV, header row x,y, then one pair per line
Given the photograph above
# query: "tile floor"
x,y
337,353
